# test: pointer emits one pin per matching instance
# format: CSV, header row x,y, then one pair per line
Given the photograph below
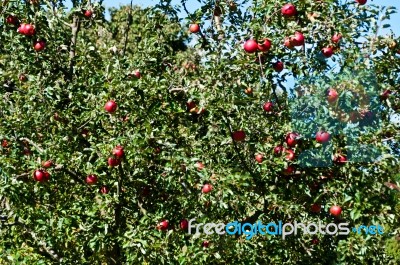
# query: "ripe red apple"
x,y
88,13
268,106
163,225
265,46
250,46
47,164
39,45
194,28
316,208
113,162
38,175
385,94
206,188
118,151
238,136
291,139
361,2
26,29
289,170
278,66
290,155
332,95
184,224
46,175
336,38
288,10
190,105
12,20
110,106
298,39
327,52
4,143
315,241
288,43
91,179
340,159
199,166
322,137
335,210
278,149
259,158
104,190
22,78
205,244
137,74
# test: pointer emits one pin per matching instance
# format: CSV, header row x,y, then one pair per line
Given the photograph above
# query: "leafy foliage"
x,y
193,92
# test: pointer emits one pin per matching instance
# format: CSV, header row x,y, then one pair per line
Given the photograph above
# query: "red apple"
x,y
91,179
278,66
39,45
163,225
39,175
88,13
336,38
322,137
332,95
4,143
291,139
268,106
190,105
206,188
290,154
315,241
316,208
137,74
238,136
361,2
335,210
340,159
113,162
289,170
265,46
205,244
199,166
288,43
194,28
118,151
259,158
288,10
298,39
26,29
47,164
327,52
22,78
110,106
46,175
184,224
104,190
12,20
385,94
157,150
250,46
278,149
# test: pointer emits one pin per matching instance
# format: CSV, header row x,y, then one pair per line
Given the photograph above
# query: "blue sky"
x,y
395,20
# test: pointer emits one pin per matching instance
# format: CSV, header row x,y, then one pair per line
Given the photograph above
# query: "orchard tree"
x,y
115,133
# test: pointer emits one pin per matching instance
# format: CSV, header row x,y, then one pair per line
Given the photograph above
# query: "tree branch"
x,y
75,29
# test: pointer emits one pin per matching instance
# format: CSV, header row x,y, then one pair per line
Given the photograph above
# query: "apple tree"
x,y
115,133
